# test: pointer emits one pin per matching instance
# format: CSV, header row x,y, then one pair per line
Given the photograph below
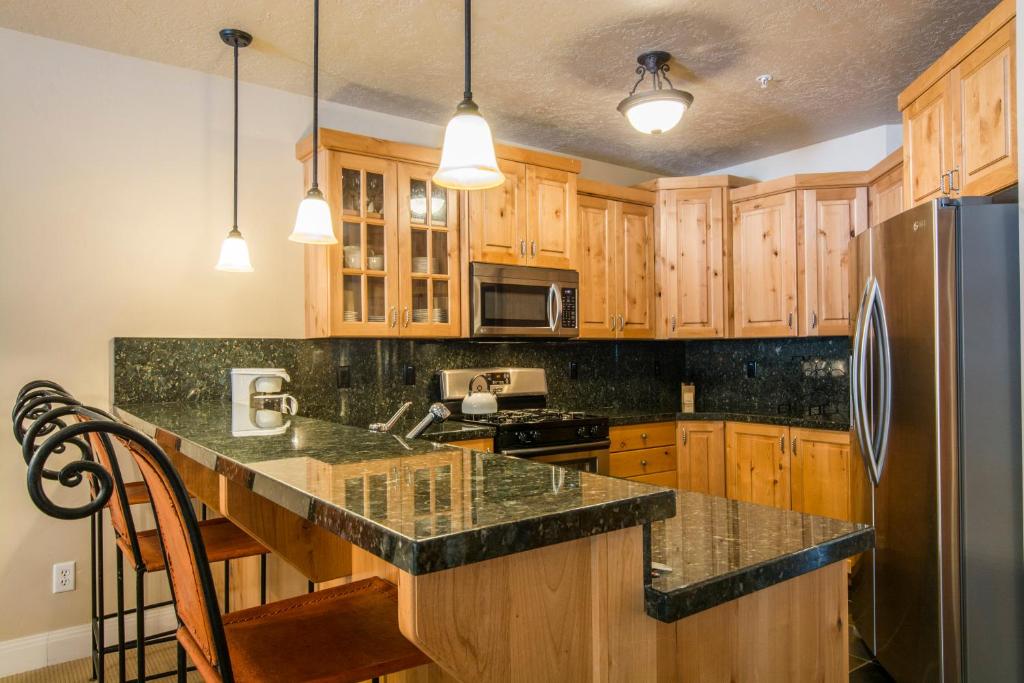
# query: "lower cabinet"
x,y
644,452
701,462
821,472
757,468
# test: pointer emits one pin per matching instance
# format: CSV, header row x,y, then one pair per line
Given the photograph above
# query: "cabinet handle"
x,y
533,247
394,316
684,436
814,319
522,247
782,443
789,320
793,446
954,187
408,316
620,324
942,184
673,322
643,463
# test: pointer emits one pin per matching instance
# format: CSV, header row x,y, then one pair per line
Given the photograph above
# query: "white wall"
x,y
115,192
854,152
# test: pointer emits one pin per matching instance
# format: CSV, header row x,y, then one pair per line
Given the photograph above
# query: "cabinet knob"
x,y
643,435
643,463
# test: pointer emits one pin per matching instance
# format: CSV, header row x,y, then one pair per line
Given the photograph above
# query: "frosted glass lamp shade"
x,y
467,156
656,111
313,221
234,254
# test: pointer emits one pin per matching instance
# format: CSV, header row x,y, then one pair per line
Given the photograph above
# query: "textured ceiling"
x,y
549,74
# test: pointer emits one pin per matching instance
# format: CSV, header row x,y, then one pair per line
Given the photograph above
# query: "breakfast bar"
x,y
509,569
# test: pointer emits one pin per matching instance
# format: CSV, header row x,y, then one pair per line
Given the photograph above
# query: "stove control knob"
x,y
534,435
524,437
595,430
582,432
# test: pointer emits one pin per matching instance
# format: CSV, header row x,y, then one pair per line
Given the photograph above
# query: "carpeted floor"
x,y
158,658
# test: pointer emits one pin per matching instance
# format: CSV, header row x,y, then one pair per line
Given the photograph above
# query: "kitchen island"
x,y
513,570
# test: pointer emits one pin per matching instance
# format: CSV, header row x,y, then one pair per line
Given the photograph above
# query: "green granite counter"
x,y
420,506
629,416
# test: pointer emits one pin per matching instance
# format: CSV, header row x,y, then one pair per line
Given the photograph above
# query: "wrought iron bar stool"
x,y
343,634
142,548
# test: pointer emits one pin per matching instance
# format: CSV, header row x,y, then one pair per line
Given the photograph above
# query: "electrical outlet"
x,y
64,577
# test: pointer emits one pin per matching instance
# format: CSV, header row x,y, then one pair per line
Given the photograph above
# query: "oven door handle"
x,y
555,450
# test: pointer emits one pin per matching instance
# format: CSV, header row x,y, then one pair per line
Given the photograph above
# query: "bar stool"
x,y
344,634
142,548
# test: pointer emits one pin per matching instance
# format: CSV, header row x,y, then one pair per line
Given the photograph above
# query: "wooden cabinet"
x,y
616,264
701,461
757,464
820,471
764,266
959,116
644,452
885,189
831,218
529,220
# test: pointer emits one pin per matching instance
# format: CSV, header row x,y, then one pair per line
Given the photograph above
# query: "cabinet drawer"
x,y
667,479
643,461
630,437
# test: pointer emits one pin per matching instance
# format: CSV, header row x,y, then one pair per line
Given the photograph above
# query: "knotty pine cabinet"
x,y
644,452
701,462
616,264
820,472
529,220
885,189
959,116
757,466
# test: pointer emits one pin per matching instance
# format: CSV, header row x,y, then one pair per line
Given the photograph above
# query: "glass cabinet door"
x,y
362,195
428,235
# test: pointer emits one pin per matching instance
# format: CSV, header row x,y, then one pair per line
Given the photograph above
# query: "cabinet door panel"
x,y
757,465
821,472
984,116
701,447
597,291
764,266
497,218
831,219
885,197
927,142
635,270
551,217
692,237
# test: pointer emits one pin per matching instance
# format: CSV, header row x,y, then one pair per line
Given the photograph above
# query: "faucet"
x,y
437,413
384,427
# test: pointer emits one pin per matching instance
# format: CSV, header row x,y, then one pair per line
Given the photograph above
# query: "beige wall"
x,y
115,192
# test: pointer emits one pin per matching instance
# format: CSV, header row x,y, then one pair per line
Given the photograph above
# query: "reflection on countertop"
x,y
720,549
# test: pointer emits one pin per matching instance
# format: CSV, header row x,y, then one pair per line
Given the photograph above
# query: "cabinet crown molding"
x,y
596,188
694,182
800,181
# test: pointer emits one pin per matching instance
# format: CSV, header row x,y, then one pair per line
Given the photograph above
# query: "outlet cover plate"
x,y
64,577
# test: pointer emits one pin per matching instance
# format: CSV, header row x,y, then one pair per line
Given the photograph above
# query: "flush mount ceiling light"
x,y
234,253
467,155
313,221
659,109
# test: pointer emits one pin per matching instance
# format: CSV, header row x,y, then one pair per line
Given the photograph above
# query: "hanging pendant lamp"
x,y
467,156
313,221
234,253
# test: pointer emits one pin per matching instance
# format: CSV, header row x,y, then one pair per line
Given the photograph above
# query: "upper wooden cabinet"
x,y
616,262
959,116
764,236
530,220
885,189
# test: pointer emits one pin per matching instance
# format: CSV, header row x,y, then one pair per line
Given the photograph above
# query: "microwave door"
x,y
511,307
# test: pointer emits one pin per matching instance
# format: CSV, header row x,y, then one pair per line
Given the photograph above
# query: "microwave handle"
x,y
554,308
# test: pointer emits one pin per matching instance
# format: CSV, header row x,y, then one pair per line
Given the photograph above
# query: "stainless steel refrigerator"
x,y
936,414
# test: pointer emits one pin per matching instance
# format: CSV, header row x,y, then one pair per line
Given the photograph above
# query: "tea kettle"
x,y
479,400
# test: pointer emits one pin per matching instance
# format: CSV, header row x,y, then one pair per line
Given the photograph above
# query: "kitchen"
x,y
742,288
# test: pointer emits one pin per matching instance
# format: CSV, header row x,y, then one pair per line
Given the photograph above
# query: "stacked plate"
x,y
423,315
351,316
375,318
422,264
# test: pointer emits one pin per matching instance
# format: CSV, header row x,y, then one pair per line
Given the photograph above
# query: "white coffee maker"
x,y
258,405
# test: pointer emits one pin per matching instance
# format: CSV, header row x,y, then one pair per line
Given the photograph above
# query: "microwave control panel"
x,y
569,308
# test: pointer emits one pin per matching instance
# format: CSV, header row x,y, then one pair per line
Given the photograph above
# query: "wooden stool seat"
x,y
223,541
136,492
344,634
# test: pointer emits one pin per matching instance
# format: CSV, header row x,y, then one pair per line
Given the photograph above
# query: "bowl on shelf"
x,y
375,262
353,256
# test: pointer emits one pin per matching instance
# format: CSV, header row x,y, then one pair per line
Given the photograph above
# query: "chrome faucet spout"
x,y
386,426
437,413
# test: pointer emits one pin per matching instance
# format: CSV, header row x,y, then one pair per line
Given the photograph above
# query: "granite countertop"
x,y
418,505
628,416
719,550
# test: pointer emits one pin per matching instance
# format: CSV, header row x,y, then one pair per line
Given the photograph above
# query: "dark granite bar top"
x,y
719,550
421,506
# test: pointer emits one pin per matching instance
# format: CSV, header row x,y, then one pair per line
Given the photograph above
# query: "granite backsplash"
x,y
793,376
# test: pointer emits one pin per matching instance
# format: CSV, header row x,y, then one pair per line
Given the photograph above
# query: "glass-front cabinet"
x,y
395,270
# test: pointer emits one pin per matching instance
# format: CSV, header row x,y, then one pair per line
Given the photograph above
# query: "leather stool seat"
x,y
136,492
223,541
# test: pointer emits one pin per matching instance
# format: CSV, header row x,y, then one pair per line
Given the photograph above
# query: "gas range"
x,y
515,428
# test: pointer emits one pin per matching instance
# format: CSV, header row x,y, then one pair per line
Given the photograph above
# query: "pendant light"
x,y
467,155
313,221
234,253
659,109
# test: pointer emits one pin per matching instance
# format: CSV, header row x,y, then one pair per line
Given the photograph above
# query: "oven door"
x,y
520,301
588,457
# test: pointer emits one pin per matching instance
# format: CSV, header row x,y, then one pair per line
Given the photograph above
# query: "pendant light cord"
x,y
235,215
316,91
468,93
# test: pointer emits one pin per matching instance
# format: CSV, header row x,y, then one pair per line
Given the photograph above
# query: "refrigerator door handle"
x,y
881,328
858,375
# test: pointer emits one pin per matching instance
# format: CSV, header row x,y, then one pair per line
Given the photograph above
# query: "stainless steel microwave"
x,y
523,301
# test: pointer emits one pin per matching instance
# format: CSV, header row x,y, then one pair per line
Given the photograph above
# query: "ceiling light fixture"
x,y
467,155
659,109
313,221
234,253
